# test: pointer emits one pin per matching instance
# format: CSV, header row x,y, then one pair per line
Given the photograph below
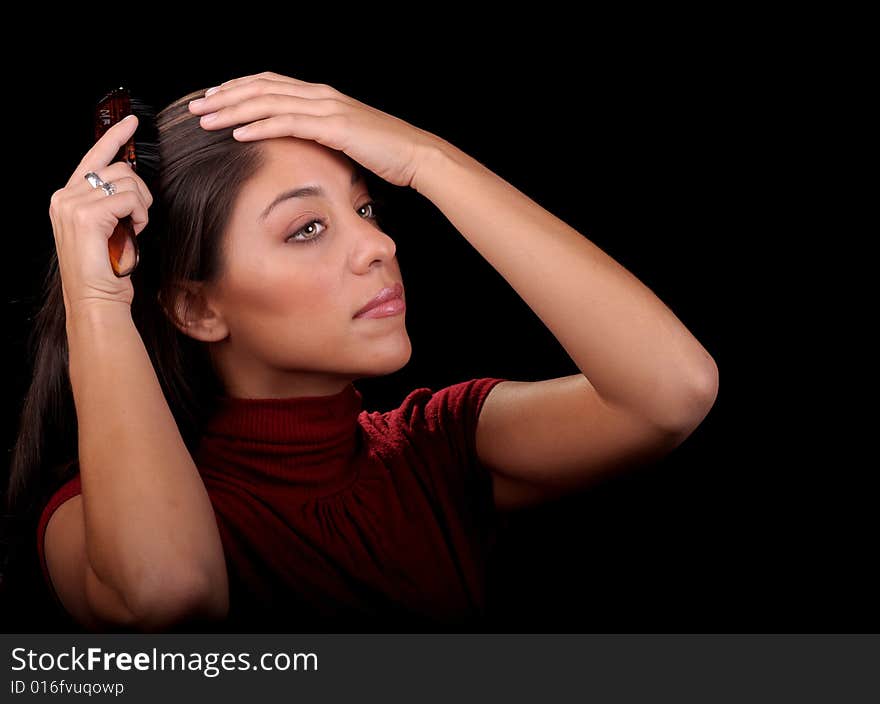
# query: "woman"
x,y
225,473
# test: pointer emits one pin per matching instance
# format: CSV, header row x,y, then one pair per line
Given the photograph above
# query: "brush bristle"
x,y
146,141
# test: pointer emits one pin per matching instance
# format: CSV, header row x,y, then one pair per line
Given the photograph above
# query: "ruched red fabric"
x,y
337,518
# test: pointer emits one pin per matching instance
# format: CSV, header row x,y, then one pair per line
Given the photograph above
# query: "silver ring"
x,y
95,180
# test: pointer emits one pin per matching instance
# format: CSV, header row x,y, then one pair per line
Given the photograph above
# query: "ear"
x,y
193,313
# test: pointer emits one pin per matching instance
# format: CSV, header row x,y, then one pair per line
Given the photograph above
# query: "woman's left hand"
x,y
273,105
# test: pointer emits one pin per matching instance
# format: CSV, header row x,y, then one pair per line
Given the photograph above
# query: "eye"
x,y
370,206
308,229
373,206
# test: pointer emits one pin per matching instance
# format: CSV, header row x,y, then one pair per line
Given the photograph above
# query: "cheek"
x,y
276,296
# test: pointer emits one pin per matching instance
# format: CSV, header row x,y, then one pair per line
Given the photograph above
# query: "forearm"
x,y
150,528
631,347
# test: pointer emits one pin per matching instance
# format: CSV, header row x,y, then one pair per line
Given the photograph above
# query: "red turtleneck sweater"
x,y
333,517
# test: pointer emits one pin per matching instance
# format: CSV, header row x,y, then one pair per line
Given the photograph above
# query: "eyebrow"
x,y
308,191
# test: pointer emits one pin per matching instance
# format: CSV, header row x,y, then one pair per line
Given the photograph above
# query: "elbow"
x,y
696,399
182,604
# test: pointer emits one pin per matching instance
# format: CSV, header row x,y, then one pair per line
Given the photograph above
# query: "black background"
x,y
641,144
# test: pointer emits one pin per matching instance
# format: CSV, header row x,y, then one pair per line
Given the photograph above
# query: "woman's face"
x,y
296,275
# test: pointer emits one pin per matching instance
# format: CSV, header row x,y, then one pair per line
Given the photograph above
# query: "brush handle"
x,y
122,245
123,249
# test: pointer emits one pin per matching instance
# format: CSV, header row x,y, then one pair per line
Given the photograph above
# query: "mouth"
x,y
388,301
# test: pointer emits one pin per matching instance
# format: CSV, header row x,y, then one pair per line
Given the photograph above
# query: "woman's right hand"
x,y
83,219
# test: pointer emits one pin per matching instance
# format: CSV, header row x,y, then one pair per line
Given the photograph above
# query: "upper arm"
x,y
547,438
89,601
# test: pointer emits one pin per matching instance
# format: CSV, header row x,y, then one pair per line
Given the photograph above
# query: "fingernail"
x,y
211,91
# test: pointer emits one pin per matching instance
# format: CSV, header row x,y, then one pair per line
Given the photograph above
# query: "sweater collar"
x,y
308,442
295,420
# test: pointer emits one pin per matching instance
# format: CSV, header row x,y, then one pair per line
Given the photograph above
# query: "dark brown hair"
x,y
199,176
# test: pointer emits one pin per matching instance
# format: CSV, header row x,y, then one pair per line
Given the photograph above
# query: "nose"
x,y
372,244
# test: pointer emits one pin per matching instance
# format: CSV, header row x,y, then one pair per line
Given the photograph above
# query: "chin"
x,y
386,358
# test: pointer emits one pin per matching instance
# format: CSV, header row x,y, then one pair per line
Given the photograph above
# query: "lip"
x,y
389,293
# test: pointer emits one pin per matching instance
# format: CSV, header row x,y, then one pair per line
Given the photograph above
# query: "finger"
x,y
74,203
319,128
122,170
263,106
126,201
106,148
251,89
252,77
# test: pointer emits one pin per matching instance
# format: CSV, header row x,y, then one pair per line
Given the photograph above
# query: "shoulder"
x,y
69,488
66,486
424,405
447,415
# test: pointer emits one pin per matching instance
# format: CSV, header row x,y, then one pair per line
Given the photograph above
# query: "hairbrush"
x,y
141,155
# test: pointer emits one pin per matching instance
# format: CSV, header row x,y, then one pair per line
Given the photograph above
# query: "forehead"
x,y
290,161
